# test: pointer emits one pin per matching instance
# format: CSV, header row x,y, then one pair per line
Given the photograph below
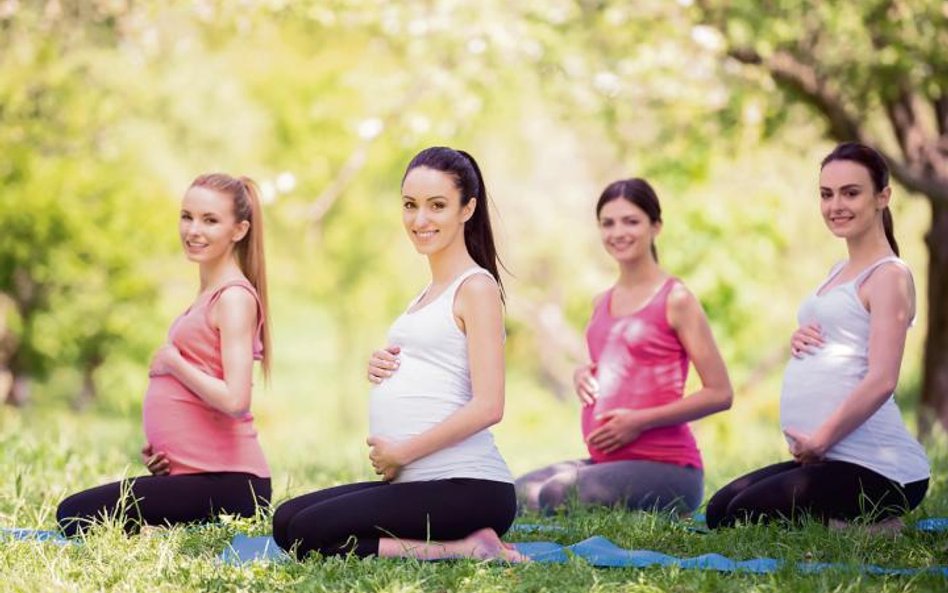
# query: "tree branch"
x,y
802,78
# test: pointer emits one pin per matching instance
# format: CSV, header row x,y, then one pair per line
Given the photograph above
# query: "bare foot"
x,y
485,544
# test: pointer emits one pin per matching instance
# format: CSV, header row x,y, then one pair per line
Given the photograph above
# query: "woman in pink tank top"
x,y
643,334
201,446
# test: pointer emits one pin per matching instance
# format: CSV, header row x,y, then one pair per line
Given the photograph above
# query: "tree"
x,y
874,72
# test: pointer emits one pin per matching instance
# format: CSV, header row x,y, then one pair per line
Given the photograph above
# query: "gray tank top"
x,y
816,385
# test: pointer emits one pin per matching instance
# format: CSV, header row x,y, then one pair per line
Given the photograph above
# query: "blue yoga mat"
x,y
34,535
599,551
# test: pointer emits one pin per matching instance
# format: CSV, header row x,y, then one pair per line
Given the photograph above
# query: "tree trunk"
x,y
934,397
87,394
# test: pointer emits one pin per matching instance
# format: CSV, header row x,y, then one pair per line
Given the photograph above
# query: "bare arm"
x,y
235,315
478,305
890,300
687,317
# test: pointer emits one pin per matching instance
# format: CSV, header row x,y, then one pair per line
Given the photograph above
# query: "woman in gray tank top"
x,y
438,386
853,458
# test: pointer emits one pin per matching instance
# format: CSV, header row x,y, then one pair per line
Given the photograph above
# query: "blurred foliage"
x,y
109,108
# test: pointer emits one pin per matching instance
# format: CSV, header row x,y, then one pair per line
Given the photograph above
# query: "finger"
x,y
584,396
393,349
590,384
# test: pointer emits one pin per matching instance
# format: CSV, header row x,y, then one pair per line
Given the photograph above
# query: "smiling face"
x,y
431,210
626,231
207,227
849,202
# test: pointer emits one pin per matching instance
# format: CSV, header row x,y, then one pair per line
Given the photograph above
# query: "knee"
x,y
716,513
554,493
71,517
281,526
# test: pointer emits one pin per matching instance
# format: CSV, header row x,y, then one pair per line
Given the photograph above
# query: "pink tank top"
x,y
196,437
641,363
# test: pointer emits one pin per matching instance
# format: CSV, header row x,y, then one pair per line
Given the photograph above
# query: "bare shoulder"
x,y
479,285
237,297
680,297
892,280
235,305
683,307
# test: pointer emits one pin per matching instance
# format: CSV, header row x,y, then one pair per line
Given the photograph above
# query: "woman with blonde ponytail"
x,y
201,445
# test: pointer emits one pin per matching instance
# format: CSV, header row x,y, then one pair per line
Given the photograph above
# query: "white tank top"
x,y
817,384
432,382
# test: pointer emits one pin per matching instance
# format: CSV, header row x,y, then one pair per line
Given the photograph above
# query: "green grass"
x,y
312,426
47,452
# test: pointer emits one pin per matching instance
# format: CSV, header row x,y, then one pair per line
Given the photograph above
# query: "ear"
x,y
243,227
882,198
657,228
467,211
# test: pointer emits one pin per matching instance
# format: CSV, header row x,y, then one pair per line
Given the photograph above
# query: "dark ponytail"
x,y
878,171
478,236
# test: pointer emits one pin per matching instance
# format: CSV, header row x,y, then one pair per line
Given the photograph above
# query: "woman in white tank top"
x,y
853,456
439,385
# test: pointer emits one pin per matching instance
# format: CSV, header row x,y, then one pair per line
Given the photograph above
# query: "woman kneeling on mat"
x,y
445,492
643,333
852,455
201,445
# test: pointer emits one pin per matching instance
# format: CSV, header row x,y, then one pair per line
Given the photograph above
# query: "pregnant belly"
x,y
400,416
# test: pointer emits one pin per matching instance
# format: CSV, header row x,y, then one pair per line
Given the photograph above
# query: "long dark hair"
x,y
478,236
636,191
878,169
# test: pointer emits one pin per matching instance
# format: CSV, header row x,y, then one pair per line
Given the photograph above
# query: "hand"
x,y
165,360
386,457
383,363
585,384
620,427
806,340
804,448
156,463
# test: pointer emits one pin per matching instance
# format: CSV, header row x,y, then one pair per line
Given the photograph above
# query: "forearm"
x,y
704,402
215,392
862,403
474,417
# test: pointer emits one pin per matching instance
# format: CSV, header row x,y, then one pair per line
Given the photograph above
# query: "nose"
x,y
192,227
421,217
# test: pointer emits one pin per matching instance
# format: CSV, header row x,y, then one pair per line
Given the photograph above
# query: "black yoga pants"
x,y
822,491
352,518
165,500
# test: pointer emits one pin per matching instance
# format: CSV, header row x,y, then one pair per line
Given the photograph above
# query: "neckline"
x,y
463,274
644,305
820,292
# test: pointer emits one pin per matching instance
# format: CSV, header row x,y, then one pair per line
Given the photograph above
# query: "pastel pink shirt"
x,y
196,437
641,363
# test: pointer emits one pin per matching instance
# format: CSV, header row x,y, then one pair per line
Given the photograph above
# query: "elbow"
x,y
886,385
725,398
493,415
236,407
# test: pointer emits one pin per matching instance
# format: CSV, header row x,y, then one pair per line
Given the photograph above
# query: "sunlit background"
x,y
108,109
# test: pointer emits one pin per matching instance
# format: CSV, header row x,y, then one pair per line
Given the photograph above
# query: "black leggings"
x,y
352,518
164,500
823,491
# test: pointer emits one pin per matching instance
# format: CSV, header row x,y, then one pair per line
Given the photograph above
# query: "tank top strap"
x,y
452,290
657,308
243,283
858,280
